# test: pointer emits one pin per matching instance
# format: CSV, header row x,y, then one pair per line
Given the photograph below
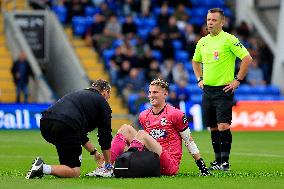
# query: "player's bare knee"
x,y
140,135
124,128
223,126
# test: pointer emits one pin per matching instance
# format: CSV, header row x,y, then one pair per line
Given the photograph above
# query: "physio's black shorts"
x,y
216,106
65,138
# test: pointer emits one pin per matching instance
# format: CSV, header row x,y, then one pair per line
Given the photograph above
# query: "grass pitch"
x,y
257,160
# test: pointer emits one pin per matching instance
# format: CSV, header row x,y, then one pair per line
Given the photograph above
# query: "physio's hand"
x,y
99,158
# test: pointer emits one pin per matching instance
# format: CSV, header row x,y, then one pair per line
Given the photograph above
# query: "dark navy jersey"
x,y
85,109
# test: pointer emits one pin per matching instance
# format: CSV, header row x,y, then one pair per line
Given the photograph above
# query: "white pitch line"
x,y
253,154
258,155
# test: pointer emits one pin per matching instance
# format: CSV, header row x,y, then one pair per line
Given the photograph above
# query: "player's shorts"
x,y
65,138
216,105
168,165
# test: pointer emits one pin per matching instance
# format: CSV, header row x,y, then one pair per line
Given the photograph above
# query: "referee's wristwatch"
x,y
239,80
200,79
94,151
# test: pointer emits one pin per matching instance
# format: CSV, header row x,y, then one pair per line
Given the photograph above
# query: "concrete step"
x,y
77,42
117,122
5,74
7,84
85,52
2,39
95,77
6,63
95,70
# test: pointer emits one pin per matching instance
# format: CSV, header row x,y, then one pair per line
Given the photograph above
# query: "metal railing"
x,y
39,89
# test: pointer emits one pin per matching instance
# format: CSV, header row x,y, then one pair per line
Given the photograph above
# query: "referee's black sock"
x,y
215,138
226,141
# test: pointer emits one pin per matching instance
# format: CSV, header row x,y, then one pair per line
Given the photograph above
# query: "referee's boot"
x,y
36,169
225,166
215,166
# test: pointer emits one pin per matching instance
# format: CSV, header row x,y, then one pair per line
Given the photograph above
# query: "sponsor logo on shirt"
x,y
158,133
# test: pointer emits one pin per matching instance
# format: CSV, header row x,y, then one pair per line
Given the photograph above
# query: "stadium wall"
x,y
247,116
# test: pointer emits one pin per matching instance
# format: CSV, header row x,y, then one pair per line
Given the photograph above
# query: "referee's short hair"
x,y
161,83
101,85
219,10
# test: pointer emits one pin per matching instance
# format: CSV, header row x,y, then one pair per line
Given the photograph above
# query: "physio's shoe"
x,y
96,172
225,166
36,170
215,166
105,173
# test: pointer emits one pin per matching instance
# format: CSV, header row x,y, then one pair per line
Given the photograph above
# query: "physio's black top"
x,y
84,109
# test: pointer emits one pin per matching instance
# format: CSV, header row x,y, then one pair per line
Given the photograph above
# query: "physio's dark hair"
x,y
220,11
161,83
101,85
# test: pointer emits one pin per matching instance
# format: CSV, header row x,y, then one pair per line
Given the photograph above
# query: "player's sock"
x,y
136,144
117,146
46,169
226,141
215,139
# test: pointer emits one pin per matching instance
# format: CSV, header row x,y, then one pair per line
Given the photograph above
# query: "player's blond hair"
x,y
161,83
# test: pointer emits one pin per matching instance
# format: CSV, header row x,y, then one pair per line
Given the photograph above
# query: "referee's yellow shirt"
x,y
218,55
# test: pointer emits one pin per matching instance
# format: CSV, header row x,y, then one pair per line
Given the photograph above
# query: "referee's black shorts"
x,y
216,105
65,138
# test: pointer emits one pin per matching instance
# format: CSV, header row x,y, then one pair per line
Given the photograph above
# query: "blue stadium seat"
x,y
194,89
150,23
172,87
89,21
192,79
199,12
117,42
196,20
196,98
181,56
157,55
143,33
244,89
247,97
273,90
228,12
79,25
91,10
107,54
131,102
61,13
268,97
177,44
188,67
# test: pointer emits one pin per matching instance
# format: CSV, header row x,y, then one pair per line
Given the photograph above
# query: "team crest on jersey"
x,y
216,55
164,121
158,133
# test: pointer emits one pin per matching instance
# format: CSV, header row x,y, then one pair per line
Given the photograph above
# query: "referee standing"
x,y
217,52
66,125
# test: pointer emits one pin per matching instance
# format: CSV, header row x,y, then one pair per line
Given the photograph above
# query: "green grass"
x,y
257,160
